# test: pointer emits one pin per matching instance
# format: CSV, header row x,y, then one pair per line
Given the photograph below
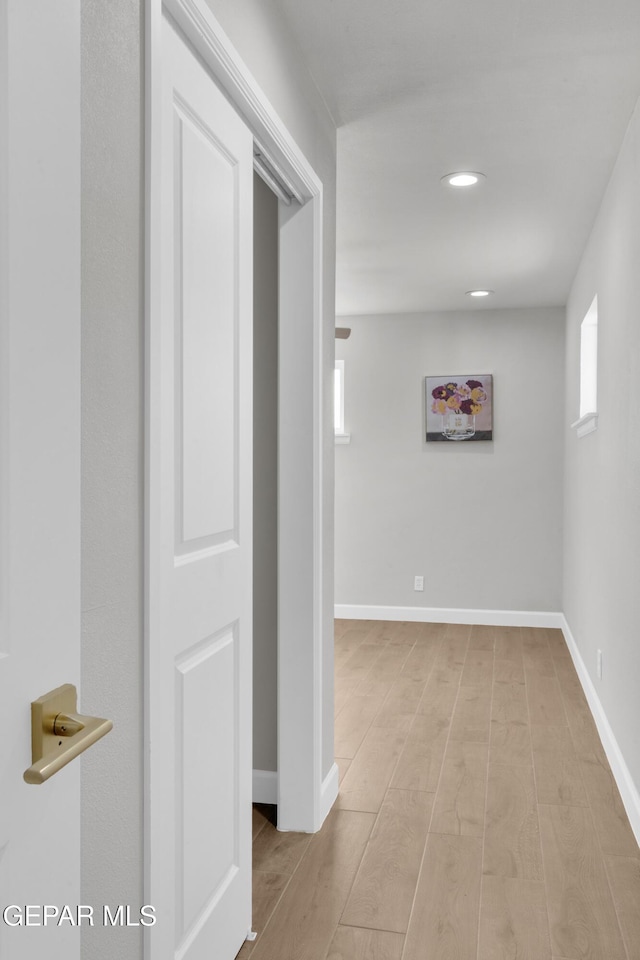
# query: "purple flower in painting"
x,y
474,383
442,393
466,406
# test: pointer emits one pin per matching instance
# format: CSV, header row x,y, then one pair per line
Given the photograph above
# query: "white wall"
x,y
113,407
481,521
602,470
262,38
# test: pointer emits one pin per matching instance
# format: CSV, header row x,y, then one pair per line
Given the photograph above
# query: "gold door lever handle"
x,y
58,733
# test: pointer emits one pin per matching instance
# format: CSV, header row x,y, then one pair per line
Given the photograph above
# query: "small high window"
x,y
338,404
589,361
588,372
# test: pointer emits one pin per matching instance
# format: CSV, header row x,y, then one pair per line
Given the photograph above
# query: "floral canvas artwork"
x,y
459,408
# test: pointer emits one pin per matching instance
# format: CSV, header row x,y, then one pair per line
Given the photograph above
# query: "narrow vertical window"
x,y
589,361
338,403
588,420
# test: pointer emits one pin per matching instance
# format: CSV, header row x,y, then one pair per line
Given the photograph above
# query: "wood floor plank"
x,y
275,852
408,688
458,631
382,629
609,815
555,637
396,713
343,765
342,691
390,662
513,920
354,633
304,922
368,777
438,699
449,662
359,663
478,668
554,740
419,663
508,671
384,887
444,920
512,836
435,631
560,653
460,798
584,733
559,780
470,719
421,759
407,632
509,703
534,641
482,637
373,688
352,943
350,640
582,917
624,878
510,742
545,701
508,644
353,722
542,666
267,888
572,690
453,648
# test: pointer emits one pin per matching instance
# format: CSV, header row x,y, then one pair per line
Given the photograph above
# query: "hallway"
x,y
477,816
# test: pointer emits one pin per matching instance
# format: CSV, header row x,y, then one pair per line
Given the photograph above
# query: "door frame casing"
x,y
304,798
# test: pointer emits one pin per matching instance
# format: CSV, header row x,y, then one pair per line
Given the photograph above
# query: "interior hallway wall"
x,y
265,477
602,473
481,521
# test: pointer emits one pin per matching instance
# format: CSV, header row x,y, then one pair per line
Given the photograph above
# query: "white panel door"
x,y
39,460
200,523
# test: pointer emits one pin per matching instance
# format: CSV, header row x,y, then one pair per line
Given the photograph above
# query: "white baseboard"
x,y
265,786
492,618
328,793
626,786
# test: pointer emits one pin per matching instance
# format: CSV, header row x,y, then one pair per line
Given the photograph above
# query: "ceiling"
x,y
535,94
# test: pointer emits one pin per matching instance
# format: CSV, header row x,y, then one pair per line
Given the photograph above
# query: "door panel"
x,y
200,378
206,222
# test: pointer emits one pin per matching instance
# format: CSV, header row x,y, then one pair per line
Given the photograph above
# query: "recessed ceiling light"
x,y
463,178
479,293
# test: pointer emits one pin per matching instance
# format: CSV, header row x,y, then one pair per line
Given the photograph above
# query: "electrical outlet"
x,y
418,583
599,664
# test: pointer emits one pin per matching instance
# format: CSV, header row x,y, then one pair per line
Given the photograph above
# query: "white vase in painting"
x,y
458,426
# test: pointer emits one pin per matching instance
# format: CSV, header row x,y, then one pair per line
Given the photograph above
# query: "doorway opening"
x,y
265,492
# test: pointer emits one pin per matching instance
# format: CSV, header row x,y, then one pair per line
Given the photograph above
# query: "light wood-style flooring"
x,y
477,819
